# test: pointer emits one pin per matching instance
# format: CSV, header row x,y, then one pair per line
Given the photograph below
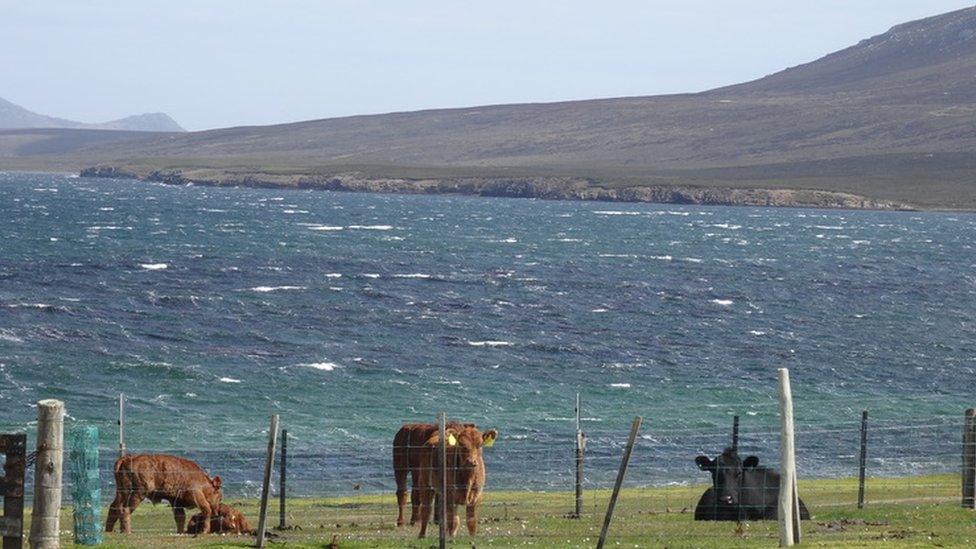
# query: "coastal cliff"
x,y
548,188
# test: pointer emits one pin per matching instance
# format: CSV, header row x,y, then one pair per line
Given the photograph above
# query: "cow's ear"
x,y
704,463
489,437
751,462
216,483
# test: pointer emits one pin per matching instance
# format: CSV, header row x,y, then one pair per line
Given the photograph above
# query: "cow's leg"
x,y
453,520
204,506
401,494
114,511
426,495
179,515
131,503
471,514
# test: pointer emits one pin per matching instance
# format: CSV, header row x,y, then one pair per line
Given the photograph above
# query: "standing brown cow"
x,y
159,477
408,444
465,476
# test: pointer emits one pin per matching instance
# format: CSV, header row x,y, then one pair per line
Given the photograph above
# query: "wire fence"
x,y
346,490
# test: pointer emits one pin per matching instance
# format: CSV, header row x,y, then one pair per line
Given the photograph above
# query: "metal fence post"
x,y
580,449
862,460
266,485
620,480
735,432
121,424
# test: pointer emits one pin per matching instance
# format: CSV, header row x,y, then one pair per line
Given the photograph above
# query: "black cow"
x,y
741,490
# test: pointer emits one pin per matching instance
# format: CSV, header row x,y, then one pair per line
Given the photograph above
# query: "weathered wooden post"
x,y
45,517
735,432
969,460
862,460
14,449
266,484
281,479
442,452
121,424
788,512
580,449
86,491
620,480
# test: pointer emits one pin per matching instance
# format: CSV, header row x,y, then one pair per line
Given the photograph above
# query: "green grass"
x,y
906,512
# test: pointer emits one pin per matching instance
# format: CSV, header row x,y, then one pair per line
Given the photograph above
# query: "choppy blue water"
x,y
348,314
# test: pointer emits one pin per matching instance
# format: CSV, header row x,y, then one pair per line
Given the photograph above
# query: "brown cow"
x,y
160,477
227,520
407,445
465,476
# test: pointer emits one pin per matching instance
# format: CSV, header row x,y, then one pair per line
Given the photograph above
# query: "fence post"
x,y
735,432
86,491
580,449
788,512
121,424
862,461
266,484
281,479
442,452
45,518
969,460
14,449
620,480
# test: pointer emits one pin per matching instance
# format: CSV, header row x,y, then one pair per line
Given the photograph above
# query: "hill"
x,y
16,117
891,120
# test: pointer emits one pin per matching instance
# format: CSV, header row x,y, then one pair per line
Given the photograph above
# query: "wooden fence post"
x,y
14,449
862,460
442,452
580,449
735,433
969,460
282,479
45,527
266,484
788,512
620,480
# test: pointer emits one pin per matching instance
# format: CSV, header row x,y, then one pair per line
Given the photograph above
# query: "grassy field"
x,y
908,512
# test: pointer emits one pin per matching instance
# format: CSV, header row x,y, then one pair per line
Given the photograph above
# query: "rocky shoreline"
x,y
548,188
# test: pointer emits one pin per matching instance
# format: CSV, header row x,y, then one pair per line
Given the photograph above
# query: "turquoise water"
x,y
348,314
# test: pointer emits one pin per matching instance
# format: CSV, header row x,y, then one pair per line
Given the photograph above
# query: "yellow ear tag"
x,y
451,441
489,442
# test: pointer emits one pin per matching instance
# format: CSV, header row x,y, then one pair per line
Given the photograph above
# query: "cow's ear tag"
x,y
451,440
489,442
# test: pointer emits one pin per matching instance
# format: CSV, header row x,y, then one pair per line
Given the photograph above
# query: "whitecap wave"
x,y
412,275
266,289
323,366
490,343
620,385
228,380
723,302
325,228
372,227
154,266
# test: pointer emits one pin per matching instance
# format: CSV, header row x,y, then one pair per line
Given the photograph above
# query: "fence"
x,y
345,490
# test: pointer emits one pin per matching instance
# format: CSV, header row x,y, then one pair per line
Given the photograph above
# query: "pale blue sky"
x,y
212,63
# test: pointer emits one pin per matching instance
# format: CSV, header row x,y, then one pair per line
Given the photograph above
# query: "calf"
x,y
465,472
160,477
226,520
741,490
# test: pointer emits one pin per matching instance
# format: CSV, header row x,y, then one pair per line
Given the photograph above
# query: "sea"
x,y
348,314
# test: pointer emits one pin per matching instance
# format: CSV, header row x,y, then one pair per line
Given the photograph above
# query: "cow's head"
x,y
214,494
727,471
465,444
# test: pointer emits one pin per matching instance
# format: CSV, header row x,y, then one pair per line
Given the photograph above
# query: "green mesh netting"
x,y
86,491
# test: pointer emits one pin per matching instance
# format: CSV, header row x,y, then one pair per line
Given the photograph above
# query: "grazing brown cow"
x,y
160,477
227,520
465,476
407,445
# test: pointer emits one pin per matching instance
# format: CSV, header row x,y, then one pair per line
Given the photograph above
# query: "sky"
x,y
217,63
